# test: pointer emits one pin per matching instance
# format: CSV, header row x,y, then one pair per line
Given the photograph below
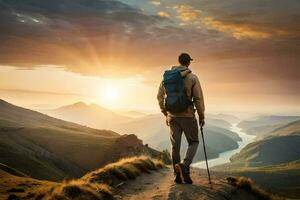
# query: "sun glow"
x,y
108,94
111,94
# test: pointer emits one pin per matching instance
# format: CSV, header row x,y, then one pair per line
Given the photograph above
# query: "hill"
x,y
132,178
280,146
132,113
153,131
283,179
265,124
47,148
90,115
226,117
292,128
272,162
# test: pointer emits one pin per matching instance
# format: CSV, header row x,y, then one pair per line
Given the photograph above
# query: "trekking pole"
x,y
205,154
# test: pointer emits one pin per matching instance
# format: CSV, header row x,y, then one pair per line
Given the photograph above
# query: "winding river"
x,y
225,156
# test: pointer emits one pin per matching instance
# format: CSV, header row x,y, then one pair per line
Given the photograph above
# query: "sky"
x,y
113,53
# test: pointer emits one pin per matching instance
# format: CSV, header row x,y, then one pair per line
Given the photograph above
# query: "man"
x,y
181,118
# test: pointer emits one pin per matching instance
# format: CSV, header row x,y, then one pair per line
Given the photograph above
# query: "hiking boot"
x,y
178,179
184,173
178,172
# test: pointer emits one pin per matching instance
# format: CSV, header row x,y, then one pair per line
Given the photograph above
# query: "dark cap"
x,y
184,58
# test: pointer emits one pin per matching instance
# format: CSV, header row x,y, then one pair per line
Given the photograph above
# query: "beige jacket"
x,y
193,91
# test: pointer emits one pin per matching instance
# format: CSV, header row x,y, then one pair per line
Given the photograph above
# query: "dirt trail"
x,y
160,186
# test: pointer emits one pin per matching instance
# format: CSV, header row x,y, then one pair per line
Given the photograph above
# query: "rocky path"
x,y
160,186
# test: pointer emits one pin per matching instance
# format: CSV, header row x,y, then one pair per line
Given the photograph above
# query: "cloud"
x,y
109,38
156,2
244,30
163,14
249,21
186,13
88,37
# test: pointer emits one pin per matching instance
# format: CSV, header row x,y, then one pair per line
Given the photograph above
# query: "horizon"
x,y
242,115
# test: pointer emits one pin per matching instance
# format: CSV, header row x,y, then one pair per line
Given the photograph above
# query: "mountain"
x,y
44,147
292,128
273,162
132,113
228,118
282,179
265,124
89,115
153,131
270,151
217,122
281,146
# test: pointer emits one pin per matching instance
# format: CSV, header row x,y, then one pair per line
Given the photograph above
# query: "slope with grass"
x,y
283,179
131,178
153,131
272,162
98,184
47,148
281,146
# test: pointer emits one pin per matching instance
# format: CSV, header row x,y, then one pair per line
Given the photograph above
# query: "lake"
x,y
225,156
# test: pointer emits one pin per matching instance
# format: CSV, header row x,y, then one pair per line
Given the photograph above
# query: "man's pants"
x,y
189,126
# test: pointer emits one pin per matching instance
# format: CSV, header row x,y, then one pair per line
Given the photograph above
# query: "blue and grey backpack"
x,y
176,100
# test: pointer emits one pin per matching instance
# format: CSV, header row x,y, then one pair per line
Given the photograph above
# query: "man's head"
x,y
184,59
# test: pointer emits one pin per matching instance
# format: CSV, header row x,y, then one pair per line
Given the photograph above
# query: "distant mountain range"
x,y
263,125
44,147
131,113
150,128
91,115
153,130
226,117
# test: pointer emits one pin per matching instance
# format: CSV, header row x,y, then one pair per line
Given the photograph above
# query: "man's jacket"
x,y
193,91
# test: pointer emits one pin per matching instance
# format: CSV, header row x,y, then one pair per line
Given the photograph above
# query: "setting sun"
x,y
111,94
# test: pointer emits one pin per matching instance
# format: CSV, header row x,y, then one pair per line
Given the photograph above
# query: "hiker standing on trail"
x,y
178,95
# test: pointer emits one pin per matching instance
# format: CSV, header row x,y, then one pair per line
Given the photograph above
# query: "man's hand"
x,y
201,123
168,119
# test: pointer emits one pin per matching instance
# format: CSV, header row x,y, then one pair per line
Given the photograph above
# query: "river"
x,y
225,156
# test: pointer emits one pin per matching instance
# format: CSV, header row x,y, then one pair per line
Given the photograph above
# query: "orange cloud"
x,y
242,31
187,13
163,14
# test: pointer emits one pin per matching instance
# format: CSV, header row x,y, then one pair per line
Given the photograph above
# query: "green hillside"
x,y
283,179
274,150
272,162
278,146
47,148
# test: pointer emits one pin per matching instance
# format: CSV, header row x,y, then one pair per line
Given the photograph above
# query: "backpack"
x,y
176,100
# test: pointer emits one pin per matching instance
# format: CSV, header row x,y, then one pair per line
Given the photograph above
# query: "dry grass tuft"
x,y
248,185
124,169
78,189
96,185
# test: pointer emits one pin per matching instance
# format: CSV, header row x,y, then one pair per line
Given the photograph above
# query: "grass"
x,y
96,185
124,169
247,184
78,189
